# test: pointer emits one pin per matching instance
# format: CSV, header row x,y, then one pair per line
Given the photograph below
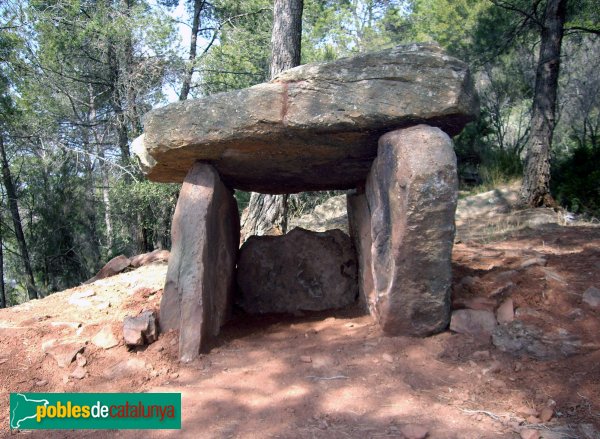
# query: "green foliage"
x,y
332,29
576,180
451,23
142,211
241,57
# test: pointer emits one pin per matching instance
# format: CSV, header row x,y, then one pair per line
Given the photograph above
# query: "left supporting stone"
x,y
200,280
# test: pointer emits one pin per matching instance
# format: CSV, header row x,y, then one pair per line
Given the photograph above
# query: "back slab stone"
x,y
200,279
411,194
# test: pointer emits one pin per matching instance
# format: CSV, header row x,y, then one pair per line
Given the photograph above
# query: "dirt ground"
x,y
334,374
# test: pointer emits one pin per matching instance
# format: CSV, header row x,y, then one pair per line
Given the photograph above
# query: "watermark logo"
x,y
48,411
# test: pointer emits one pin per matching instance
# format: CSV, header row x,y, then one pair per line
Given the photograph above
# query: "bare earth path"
x,y
334,375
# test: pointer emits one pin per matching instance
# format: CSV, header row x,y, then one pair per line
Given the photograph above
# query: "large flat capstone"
x,y
313,127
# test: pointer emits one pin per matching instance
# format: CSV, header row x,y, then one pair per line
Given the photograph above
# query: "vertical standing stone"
x,y
412,192
200,279
359,222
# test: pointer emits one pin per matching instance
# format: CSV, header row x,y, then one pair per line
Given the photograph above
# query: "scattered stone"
x,y
174,375
387,357
140,330
519,339
533,261
505,312
529,433
80,360
149,258
102,306
83,294
81,303
306,359
518,366
412,193
591,296
41,383
297,132
105,338
3,360
302,270
477,323
64,353
414,431
73,325
200,279
551,274
115,266
125,368
546,414
494,367
533,420
78,373
481,355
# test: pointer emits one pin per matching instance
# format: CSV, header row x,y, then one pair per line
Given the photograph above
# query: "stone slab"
x,y
300,271
412,193
200,278
313,127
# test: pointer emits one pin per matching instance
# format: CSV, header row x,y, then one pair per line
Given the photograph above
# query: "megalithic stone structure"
x,y
200,279
404,229
378,123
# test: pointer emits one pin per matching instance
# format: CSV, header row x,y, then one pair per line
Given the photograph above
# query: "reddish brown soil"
x,y
335,375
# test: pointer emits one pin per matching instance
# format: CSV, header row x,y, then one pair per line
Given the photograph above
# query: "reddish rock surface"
x,y
411,193
115,266
200,280
148,258
299,271
359,223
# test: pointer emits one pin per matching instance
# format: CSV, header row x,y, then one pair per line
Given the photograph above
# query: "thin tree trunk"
x,y
267,214
286,38
536,179
2,289
189,71
16,217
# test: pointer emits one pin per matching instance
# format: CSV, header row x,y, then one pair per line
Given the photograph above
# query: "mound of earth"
x,y
334,374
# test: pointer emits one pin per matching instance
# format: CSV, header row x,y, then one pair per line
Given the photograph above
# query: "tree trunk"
x,y
286,38
536,179
267,214
16,218
2,290
189,71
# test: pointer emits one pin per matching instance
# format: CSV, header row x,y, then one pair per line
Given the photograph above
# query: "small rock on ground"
x,y
592,297
105,338
529,433
414,431
478,323
79,373
505,312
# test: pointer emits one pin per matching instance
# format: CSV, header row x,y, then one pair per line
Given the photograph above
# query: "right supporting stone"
x,y
411,194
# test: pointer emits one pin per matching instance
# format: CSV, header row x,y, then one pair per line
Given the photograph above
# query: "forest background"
x,y
77,77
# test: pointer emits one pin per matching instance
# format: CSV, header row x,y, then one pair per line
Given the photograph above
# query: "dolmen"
x,y
377,124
